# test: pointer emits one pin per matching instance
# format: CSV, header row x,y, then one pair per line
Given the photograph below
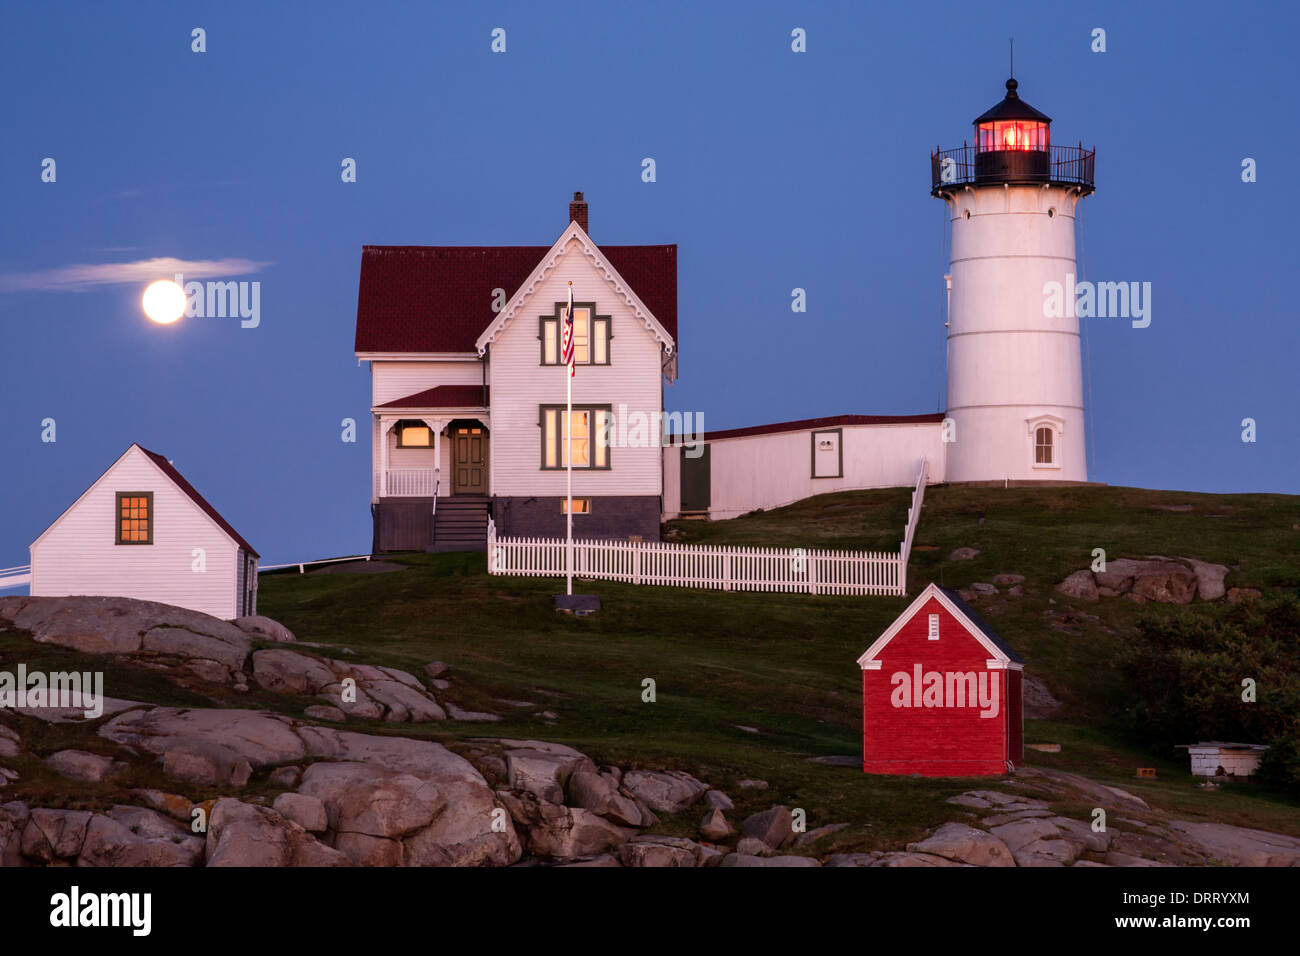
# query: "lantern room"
x,y
1011,141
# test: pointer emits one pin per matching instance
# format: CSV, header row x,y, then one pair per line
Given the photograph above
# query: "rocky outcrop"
x,y
359,690
240,834
1155,578
666,791
965,844
81,765
258,626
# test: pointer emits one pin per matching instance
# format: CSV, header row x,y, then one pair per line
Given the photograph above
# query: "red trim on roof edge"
x,y
444,396
179,481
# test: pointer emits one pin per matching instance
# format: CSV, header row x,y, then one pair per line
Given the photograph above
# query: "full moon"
x,y
163,301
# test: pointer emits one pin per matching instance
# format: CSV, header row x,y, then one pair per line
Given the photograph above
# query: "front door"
x,y
469,468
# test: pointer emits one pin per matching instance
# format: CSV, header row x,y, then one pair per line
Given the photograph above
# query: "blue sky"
x,y
774,170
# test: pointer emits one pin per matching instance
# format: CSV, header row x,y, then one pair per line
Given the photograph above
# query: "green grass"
x,y
785,664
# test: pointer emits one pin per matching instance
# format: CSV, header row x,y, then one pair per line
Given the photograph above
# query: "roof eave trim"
x,y
549,261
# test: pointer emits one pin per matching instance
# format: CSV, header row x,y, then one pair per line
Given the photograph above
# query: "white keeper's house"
x,y
142,531
468,394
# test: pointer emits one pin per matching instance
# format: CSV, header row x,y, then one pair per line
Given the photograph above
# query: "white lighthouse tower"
x,y
1015,376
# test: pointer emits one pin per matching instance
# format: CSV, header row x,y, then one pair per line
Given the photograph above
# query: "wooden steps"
x,y
460,524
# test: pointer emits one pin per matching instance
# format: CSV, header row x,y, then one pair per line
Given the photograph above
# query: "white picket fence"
x,y
726,568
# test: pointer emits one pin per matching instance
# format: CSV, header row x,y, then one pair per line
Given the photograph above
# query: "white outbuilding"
x,y
142,531
1218,758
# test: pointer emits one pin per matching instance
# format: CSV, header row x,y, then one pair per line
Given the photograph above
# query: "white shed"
x,y
1212,758
142,531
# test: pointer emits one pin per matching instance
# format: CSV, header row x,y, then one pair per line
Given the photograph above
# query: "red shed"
x,y
941,694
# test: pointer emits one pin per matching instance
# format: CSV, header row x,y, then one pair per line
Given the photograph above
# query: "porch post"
x,y
383,456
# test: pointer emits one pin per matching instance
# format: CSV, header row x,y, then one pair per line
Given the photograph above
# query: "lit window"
x,y
135,517
591,335
414,436
589,444
581,506
1043,450
934,627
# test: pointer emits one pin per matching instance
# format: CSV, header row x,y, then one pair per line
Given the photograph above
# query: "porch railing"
x,y
410,483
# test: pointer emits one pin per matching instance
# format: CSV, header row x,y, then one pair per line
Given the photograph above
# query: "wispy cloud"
x,y
87,276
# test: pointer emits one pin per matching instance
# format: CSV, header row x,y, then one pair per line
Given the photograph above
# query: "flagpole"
x,y
568,427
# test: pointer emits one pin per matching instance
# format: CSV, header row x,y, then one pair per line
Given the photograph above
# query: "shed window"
x,y
135,517
934,627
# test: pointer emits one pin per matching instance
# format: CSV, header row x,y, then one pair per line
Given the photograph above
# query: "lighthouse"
x,y
1015,375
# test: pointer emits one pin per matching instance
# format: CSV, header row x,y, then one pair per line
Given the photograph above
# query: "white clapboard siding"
x,y
772,470
391,380
78,553
727,568
520,385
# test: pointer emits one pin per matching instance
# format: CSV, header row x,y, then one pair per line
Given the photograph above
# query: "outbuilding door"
x,y
696,483
469,465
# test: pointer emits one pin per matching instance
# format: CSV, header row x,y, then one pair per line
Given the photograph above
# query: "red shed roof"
x,y
179,481
439,298
833,421
444,396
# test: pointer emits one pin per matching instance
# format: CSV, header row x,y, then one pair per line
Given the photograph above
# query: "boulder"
x,y
752,846
718,800
302,809
205,762
599,793
853,859
714,827
569,833
749,784
1209,579
957,841
285,671
963,554
256,625
172,804
13,820
258,737
1007,580
1167,582
1237,595
773,827
52,835
658,851
287,777
82,765
10,743
435,668
149,823
112,842
230,651
812,836
545,772
1080,585
666,791
1119,574
1239,846
115,625
240,834
476,716
983,587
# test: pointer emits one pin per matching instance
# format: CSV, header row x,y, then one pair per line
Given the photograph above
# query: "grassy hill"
x,y
784,665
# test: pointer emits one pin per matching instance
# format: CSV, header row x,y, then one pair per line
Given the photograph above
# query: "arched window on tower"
x,y
1044,450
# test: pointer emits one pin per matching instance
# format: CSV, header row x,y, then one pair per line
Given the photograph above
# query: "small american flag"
x,y
566,355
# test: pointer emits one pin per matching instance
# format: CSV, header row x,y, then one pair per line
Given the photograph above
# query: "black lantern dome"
x,y
1012,145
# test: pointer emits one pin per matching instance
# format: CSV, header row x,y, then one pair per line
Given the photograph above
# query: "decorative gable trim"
x,y
616,283
998,660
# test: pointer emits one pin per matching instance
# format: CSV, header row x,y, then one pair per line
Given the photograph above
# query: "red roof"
x,y
444,396
179,481
439,298
833,421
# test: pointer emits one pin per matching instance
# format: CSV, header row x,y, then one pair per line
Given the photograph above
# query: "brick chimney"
x,y
578,211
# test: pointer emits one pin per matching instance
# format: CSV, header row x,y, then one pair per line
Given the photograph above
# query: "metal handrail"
x,y
1072,165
